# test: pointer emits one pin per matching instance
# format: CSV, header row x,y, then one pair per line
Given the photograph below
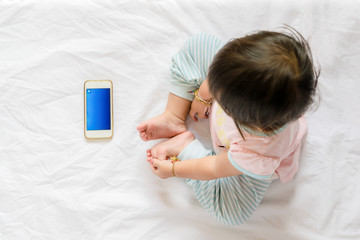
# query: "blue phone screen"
x,y
98,109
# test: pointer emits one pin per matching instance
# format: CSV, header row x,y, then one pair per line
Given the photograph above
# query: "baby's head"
x,y
264,80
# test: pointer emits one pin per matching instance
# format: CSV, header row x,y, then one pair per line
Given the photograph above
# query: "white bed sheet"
x,y
56,185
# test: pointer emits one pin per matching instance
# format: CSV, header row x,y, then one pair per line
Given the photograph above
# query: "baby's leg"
x,y
168,124
171,147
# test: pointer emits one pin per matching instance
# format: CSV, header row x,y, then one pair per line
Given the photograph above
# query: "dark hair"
x,y
264,80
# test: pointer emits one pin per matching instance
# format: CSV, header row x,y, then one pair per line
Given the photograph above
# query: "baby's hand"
x,y
198,110
162,168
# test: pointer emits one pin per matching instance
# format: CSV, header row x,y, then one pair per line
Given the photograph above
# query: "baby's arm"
x,y
206,168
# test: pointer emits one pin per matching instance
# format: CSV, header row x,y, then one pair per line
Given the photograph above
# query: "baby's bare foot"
x,y
171,147
165,125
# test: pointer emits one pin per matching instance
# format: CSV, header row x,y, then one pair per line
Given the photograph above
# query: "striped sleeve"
x,y
190,65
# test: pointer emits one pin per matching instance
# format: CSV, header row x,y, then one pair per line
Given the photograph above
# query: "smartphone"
x,y
98,109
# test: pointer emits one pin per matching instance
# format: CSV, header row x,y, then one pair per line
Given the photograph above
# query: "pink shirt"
x,y
259,156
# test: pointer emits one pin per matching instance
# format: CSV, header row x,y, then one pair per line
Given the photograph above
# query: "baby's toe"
x,y
144,136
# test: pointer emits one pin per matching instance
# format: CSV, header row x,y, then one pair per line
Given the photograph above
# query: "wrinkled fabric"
x,y
55,185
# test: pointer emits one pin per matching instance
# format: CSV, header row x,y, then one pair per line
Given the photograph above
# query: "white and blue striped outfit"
x,y
231,200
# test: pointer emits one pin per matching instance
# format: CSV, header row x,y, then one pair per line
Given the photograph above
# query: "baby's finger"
x,y
153,169
207,111
155,162
201,115
148,153
193,115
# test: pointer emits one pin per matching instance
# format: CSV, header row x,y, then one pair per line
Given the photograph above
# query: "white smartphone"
x,y
98,109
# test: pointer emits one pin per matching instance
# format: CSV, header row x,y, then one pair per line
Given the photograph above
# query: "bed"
x,y
55,184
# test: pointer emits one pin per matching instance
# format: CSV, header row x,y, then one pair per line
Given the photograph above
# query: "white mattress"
x,y
56,185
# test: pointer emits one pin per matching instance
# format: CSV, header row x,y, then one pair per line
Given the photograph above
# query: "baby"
x,y
254,90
